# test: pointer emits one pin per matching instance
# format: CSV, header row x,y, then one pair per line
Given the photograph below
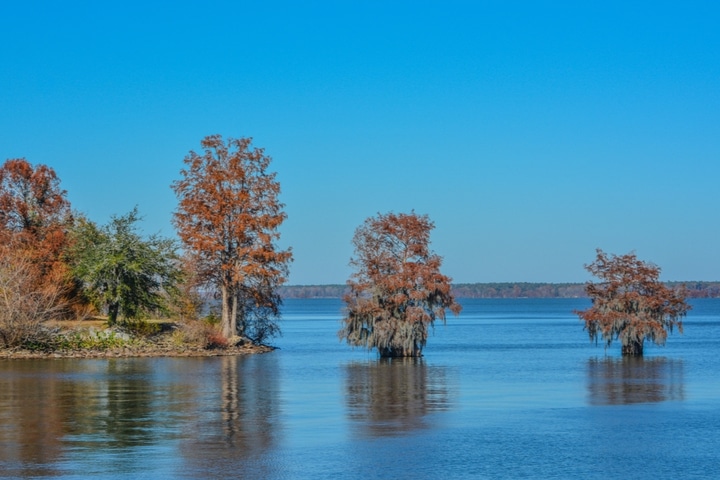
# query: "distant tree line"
x,y
313,291
500,290
699,289
519,290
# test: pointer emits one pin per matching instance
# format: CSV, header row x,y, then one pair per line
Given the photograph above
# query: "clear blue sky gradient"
x,y
530,132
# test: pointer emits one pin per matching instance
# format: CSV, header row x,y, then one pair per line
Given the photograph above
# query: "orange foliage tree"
x,y
228,218
630,304
34,210
397,291
34,279
28,296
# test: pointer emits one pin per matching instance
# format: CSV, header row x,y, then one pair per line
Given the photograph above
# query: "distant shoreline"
x,y
500,290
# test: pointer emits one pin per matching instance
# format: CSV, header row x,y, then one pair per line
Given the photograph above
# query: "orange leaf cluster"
x,y
228,218
34,280
397,290
630,304
34,211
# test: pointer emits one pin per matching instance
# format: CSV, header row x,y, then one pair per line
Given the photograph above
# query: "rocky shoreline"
x,y
138,351
93,339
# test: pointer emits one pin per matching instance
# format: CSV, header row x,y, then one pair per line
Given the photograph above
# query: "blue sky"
x,y
530,132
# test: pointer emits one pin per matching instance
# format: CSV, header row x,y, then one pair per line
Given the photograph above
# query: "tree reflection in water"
x,y
393,396
30,426
246,422
49,407
622,381
113,416
126,410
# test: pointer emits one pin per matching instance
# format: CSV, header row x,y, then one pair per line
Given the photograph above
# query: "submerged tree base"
x,y
399,353
632,349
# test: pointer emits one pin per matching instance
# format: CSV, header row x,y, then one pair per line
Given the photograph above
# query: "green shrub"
x,y
212,318
141,328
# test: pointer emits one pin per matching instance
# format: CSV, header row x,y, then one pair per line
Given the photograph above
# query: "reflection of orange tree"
x,y
634,380
393,396
248,405
31,421
246,423
46,407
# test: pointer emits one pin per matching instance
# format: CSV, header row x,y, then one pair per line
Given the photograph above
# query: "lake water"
x,y
510,389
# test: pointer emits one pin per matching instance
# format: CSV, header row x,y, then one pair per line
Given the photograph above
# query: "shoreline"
x,y
142,352
93,333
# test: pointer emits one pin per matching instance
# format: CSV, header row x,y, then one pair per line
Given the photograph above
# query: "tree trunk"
x,y
234,316
633,349
113,311
240,316
229,307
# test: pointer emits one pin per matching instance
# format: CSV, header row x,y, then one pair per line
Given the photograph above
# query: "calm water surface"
x,y
510,389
